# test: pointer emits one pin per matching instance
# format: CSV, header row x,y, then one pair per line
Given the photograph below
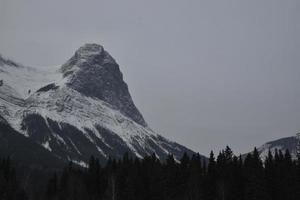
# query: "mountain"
x,y
282,144
16,146
78,109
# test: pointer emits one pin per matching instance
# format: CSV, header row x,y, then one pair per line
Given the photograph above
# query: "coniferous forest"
x,y
221,177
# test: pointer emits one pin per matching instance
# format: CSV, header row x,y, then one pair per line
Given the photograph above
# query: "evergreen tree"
x,y
210,179
196,179
270,175
254,177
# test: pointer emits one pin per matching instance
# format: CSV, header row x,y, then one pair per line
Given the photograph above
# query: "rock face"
x,y
79,109
94,73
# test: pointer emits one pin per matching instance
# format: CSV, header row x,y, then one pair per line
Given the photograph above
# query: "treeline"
x,y
226,177
221,177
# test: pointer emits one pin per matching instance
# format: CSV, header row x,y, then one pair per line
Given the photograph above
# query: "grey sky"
x,y
203,73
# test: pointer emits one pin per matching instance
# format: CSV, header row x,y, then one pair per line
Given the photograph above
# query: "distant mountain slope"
x,y
289,143
79,109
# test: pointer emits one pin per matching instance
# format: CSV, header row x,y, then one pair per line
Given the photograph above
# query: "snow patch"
x,y
47,146
80,163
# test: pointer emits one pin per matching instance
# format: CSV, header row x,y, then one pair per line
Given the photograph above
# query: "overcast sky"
x,y
203,73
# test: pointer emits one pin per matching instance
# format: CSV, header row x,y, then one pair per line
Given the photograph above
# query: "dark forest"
x,y
225,176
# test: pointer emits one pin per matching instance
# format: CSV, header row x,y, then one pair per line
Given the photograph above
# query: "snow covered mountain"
x,y
79,109
282,144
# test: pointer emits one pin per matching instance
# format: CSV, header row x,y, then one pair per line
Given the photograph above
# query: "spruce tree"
x,y
254,177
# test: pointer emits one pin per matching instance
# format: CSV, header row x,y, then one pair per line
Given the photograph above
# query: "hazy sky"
x,y
203,73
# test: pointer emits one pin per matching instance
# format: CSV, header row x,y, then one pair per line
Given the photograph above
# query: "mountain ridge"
x,y
282,144
286,143
79,109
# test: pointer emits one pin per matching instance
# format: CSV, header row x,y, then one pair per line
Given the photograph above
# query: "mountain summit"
x,y
94,73
79,109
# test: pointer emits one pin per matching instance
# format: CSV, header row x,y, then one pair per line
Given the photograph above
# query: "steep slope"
x,y
24,151
79,109
94,73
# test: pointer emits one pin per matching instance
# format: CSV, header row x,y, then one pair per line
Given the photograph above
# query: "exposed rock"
x,y
93,72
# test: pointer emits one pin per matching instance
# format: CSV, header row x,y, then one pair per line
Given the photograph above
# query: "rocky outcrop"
x,y
93,72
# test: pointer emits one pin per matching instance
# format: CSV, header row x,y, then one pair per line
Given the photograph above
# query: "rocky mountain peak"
x,y
94,73
88,50
76,110
85,56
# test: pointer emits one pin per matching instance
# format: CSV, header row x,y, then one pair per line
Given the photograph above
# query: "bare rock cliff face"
x,y
95,73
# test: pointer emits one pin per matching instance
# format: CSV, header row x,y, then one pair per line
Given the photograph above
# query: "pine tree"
x,y
210,179
195,181
270,175
288,176
254,177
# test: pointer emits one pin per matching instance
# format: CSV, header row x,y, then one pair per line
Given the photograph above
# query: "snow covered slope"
x,y
282,144
79,109
21,81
